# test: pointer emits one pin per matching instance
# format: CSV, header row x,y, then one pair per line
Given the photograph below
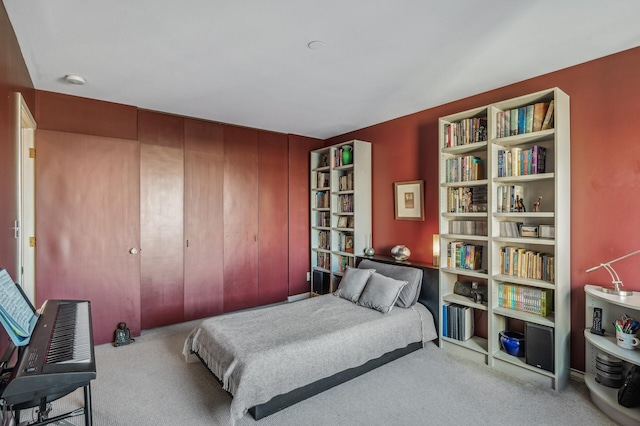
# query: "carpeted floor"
x,y
149,383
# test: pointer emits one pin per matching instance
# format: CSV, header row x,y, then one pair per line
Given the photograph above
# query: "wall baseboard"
x,y
300,296
576,375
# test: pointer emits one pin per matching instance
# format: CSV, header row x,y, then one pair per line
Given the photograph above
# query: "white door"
x,y
26,222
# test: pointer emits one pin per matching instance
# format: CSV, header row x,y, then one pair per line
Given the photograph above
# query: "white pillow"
x,y
381,293
353,283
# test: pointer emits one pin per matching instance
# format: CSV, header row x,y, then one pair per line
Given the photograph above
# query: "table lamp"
x,y
615,279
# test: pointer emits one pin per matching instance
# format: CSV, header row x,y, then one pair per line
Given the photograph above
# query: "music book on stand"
x,y
17,315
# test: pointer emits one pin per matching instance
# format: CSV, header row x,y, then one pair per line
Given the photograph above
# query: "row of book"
x,y
519,162
510,198
323,260
323,219
457,321
464,256
468,227
345,182
345,242
344,261
322,200
510,229
324,240
322,180
469,130
520,262
467,199
525,119
345,203
464,169
526,299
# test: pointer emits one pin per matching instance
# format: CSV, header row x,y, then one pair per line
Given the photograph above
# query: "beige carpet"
x,y
149,383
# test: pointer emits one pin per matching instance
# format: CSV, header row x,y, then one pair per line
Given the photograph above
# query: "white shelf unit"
x,y
613,307
341,228
554,187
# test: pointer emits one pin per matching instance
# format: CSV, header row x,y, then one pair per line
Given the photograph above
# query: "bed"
x,y
270,358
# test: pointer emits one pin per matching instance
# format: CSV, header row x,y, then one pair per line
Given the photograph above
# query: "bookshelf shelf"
x,y
613,307
347,215
522,161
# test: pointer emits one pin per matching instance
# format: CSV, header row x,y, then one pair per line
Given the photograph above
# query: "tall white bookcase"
x,y
485,163
340,211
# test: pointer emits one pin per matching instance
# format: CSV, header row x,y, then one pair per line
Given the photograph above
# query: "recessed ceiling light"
x,y
74,79
315,45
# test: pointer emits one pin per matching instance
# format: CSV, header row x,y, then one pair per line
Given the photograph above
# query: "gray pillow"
x,y
381,293
411,292
353,283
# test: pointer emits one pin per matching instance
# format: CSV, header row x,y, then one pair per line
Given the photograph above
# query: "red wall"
x,y
605,171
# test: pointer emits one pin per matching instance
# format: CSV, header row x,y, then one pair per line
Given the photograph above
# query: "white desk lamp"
x,y
615,279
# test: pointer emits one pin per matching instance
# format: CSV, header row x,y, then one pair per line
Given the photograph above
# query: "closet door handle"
x,y
133,250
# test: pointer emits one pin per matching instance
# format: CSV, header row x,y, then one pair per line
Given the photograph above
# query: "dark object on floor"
x,y
629,393
122,335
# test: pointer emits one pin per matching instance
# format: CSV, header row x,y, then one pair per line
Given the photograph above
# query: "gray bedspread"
x,y
258,354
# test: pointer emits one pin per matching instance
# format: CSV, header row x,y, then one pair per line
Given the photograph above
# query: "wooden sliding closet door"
x,y
240,218
87,221
203,221
273,214
161,218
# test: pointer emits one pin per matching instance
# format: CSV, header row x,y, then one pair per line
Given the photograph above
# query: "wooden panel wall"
x,y
240,218
87,219
203,219
273,242
161,218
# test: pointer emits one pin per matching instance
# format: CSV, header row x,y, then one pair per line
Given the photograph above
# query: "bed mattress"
x,y
261,353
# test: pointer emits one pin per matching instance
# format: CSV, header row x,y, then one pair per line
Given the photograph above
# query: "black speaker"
x,y
321,282
538,348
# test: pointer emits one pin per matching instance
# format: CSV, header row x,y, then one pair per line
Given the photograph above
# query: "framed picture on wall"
x,y
409,200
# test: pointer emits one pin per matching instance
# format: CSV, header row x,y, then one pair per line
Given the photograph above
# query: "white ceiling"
x,y
246,62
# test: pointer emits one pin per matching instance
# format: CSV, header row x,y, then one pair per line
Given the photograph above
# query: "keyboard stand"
x,y
43,413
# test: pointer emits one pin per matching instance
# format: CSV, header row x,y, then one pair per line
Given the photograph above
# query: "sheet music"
x,y
14,309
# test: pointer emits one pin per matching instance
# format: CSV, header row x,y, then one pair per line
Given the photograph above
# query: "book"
x,y
529,120
16,312
539,113
547,123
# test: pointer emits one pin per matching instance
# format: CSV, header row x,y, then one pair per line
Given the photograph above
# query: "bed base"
x,y
285,400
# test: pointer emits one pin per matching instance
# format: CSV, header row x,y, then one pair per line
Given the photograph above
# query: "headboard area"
x,y
429,289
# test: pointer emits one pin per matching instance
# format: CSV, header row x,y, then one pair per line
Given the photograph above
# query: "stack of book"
x,y
324,260
322,200
510,198
324,240
322,180
464,256
468,227
345,203
520,262
526,119
526,299
519,162
345,183
467,199
457,321
464,169
469,130
323,219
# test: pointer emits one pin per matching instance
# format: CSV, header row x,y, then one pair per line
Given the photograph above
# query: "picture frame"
x,y
409,200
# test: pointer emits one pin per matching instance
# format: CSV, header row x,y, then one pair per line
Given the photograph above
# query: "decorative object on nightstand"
x,y
615,279
400,252
436,249
369,251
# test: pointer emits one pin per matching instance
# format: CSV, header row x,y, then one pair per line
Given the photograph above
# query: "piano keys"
x,y
58,359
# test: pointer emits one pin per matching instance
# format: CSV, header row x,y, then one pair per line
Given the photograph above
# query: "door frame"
x,y
25,225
